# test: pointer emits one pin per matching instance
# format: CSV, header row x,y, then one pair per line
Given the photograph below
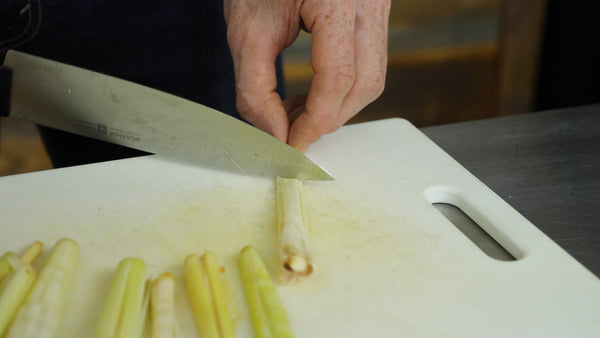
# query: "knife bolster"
x,y
5,84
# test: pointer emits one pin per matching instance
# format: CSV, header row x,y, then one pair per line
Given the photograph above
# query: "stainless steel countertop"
x,y
546,165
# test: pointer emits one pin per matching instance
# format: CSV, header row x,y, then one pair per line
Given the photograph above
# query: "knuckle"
x,y
235,37
238,36
324,123
321,129
376,83
244,105
373,85
343,77
253,106
324,128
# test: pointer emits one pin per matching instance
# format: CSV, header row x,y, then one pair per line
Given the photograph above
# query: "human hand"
x,y
348,57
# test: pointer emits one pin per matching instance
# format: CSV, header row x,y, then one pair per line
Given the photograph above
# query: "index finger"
x,y
332,59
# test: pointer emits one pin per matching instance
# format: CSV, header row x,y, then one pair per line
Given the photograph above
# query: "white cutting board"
x,y
389,264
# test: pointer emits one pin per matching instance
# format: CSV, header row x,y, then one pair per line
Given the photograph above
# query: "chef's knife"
x,y
87,103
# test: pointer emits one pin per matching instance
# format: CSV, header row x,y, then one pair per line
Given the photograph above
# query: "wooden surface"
x,y
520,41
21,149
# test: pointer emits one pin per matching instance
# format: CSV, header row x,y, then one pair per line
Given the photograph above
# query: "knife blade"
x,y
106,108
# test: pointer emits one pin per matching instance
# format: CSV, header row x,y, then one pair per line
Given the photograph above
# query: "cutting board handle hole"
x,y
473,231
473,222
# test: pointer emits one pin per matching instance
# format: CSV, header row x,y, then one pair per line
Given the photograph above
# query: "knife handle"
x,y
5,84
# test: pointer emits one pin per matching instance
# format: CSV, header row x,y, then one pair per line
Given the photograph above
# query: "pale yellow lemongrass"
x,y
162,306
32,252
40,315
207,296
268,315
8,262
217,287
294,240
126,305
12,294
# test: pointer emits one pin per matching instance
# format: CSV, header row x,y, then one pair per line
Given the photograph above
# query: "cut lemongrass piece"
x,y
207,295
9,262
32,252
40,315
269,318
217,287
126,305
294,241
12,294
162,307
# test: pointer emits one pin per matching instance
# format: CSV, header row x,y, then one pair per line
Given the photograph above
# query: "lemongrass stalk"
x,y
40,315
32,252
126,304
8,262
162,305
200,298
213,272
258,315
268,315
207,296
294,241
12,294
135,304
109,319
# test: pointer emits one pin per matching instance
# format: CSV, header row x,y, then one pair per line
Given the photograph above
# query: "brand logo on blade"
x,y
106,131
125,135
101,128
